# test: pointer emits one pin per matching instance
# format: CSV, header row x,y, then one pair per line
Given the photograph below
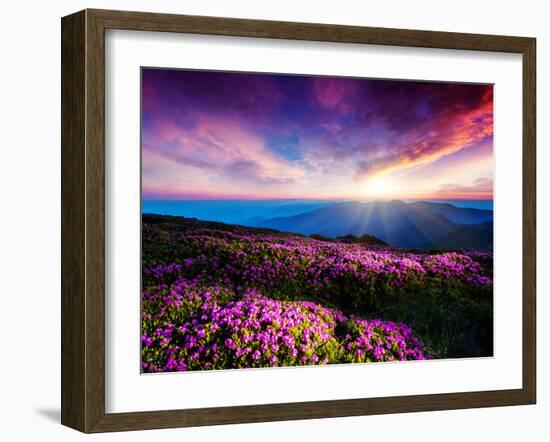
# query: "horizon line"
x,y
354,198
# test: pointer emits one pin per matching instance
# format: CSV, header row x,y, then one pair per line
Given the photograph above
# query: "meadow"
x,y
220,296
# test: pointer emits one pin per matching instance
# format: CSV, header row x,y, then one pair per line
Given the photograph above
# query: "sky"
x,y
221,135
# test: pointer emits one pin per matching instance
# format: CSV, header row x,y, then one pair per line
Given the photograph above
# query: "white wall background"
x,y
30,216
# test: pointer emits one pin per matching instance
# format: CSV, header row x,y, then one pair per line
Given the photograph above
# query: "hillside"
x,y
475,236
221,296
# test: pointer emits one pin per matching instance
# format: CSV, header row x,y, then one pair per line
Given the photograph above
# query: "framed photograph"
x,y
266,221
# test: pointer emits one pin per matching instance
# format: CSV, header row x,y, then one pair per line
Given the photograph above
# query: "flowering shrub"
x,y
261,332
376,340
272,258
218,296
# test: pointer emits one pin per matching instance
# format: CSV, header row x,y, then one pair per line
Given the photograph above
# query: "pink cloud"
x,y
444,135
481,188
333,93
216,152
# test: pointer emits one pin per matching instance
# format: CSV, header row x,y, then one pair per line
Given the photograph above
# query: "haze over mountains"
x,y
419,225
243,212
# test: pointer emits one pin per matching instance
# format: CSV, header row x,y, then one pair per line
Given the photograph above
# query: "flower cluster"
x,y
376,340
261,332
271,258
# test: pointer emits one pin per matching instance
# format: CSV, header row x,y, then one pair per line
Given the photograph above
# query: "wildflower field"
x,y
219,296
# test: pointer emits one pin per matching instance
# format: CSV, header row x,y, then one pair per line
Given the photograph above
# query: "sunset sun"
x,y
381,187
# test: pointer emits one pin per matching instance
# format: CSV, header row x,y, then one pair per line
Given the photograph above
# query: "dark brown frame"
x,y
83,217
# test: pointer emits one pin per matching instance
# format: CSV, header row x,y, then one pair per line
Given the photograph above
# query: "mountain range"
x,y
416,225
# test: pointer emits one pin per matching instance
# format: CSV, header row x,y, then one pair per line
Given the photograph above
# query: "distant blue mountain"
x,y
419,225
455,214
471,236
244,212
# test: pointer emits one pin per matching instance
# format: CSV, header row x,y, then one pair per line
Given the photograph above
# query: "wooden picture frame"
x,y
83,220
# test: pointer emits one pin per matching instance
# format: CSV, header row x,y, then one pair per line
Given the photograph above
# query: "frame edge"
x,y
529,221
73,208
197,24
